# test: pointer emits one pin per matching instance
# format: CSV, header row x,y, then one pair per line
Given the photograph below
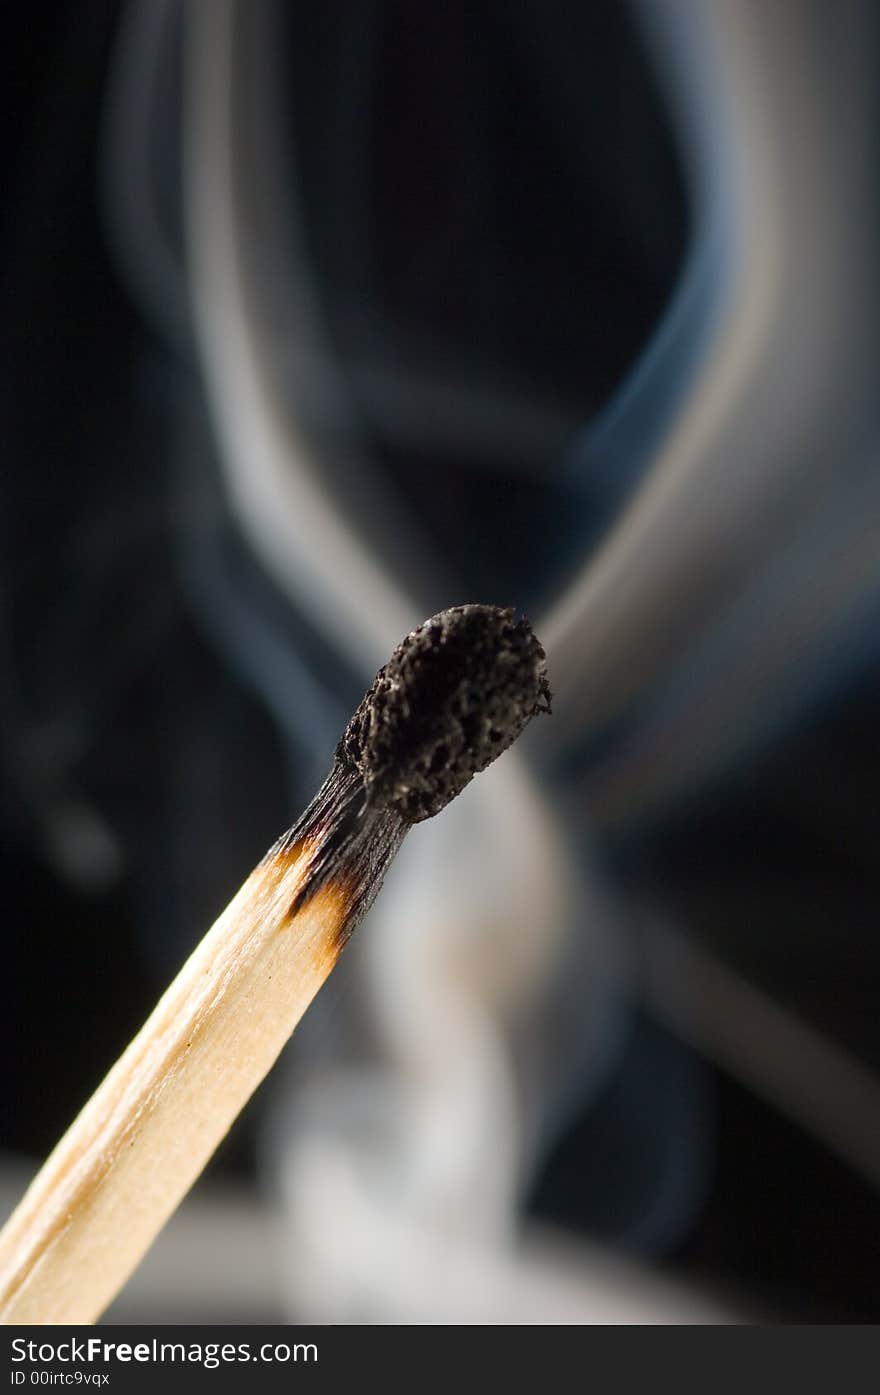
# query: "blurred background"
x,y
315,320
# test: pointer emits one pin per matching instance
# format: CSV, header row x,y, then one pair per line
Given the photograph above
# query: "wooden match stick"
x,y
454,695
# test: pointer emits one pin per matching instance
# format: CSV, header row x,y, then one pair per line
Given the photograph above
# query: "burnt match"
x,y
454,695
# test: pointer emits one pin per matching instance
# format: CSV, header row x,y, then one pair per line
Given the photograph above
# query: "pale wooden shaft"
x,y
138,1145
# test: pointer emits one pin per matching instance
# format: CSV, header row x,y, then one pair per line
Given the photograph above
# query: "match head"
x,y
455,694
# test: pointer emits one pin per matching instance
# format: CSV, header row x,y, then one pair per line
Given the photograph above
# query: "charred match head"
x,y
455,694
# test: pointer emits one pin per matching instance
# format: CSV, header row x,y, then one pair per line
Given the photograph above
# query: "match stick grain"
x,y
145,1135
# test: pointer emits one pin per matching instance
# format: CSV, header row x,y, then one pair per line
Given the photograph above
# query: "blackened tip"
x,y
455,694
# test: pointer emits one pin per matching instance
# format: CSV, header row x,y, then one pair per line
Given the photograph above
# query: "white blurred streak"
x,y
489,936
358,1261
128,196
275,484
784,395
800,612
